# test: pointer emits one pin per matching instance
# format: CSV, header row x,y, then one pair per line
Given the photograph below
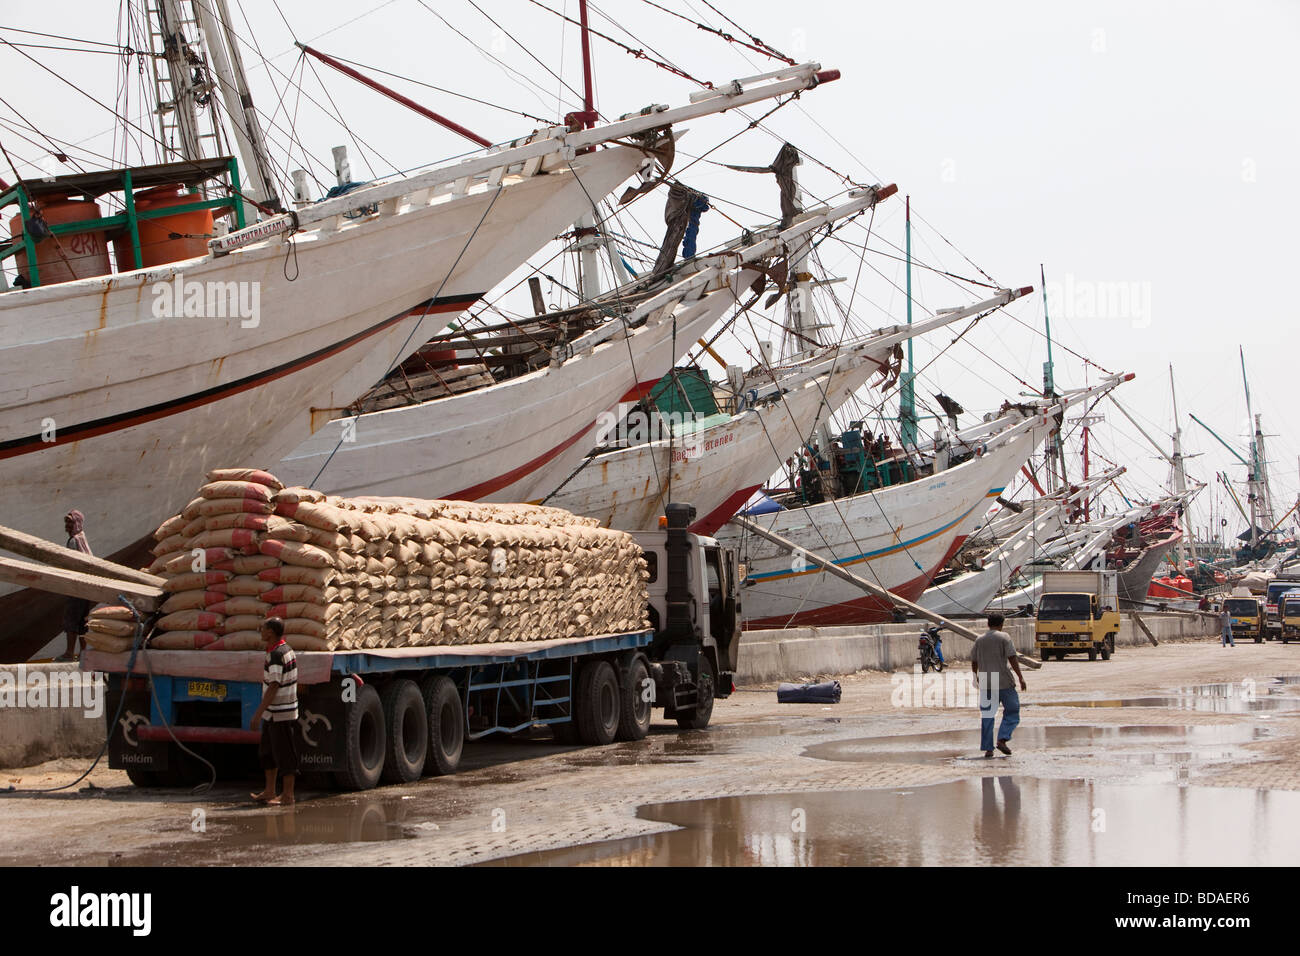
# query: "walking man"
x,y
278,714
992,659
1225,624
75,611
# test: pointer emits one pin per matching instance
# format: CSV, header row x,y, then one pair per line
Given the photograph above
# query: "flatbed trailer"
x,y
395,714
355,707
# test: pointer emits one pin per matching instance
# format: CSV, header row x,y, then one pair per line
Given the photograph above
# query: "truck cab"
x,y
1289,616
695,613
1247,614
1272,602
1076,614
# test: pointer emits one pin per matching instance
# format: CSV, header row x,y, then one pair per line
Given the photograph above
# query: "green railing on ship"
x,y
128,219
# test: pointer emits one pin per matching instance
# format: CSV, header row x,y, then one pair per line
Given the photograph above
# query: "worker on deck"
x,y
75,611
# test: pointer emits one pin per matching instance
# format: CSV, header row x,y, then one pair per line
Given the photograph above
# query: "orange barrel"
x,y
81,255
156,245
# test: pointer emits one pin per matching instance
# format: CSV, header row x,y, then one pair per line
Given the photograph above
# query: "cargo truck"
x,y
1276,588
396,714
1247,616
1289,616
1077,613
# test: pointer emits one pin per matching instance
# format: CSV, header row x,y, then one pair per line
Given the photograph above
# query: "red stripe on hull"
x,y
510,477
867,609
167,409
639,391
720,515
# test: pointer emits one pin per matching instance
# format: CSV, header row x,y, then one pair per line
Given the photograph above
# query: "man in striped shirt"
x,y
278,714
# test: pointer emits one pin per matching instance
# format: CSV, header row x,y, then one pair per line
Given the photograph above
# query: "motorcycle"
x,y
930,655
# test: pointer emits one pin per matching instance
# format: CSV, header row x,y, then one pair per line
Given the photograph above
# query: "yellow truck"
x,y
1077,614
1248,617
1288,613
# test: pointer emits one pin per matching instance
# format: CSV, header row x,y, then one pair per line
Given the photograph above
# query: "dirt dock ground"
x,y
1192,716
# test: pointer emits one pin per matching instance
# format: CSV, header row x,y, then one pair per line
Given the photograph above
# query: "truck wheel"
x,y
1259,640
697,718
408,731
1044,654
364,741
634,710
446,722
596,707
150,778
1092,653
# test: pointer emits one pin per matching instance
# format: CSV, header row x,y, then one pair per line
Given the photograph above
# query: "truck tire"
x,y
407,739
1044,654
697,718
596,705
1258,639
142,777
1092,653
182,771
445,718
1107,647
634,711
364,740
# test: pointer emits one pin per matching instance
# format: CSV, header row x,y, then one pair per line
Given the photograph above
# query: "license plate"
x,y
208,689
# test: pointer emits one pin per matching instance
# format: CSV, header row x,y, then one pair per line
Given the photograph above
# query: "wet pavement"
x,y
992,820
1247,696
1116,770
1130,743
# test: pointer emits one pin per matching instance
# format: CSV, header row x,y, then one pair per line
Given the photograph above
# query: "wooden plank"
x,y
30,546
1142,626
831,568
77,584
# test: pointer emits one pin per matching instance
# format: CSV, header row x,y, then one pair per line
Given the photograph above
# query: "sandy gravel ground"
x,y
529,795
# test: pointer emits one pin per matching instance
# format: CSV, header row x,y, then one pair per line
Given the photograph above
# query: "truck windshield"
x,y
1290,607
1064,607
1241,607
1277,589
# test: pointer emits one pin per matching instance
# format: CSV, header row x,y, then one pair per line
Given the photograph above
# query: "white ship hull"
x,y
512,441
897,537
717,468
140,405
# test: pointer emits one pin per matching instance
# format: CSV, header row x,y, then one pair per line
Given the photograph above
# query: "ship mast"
x,y
190,82
1053,449
1253,483
258,179
801,315
907,394
1180,474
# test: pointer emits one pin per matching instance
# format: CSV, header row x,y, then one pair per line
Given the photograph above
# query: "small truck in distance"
x,y
1076,614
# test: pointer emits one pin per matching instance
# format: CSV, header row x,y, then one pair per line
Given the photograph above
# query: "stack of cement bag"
x,y
357,573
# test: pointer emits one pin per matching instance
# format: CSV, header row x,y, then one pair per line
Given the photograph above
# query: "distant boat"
x,y
898,536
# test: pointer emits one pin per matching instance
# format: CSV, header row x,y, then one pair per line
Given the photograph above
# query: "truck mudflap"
x,y
202,713
127,749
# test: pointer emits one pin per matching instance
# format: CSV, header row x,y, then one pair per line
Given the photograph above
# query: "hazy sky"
x,y
1145,152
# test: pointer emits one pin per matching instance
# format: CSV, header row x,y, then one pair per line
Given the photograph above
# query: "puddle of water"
x,y
998,821
1242,697
1110,741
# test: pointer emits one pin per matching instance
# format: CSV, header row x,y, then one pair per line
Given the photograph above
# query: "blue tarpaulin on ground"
x,y
827,692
